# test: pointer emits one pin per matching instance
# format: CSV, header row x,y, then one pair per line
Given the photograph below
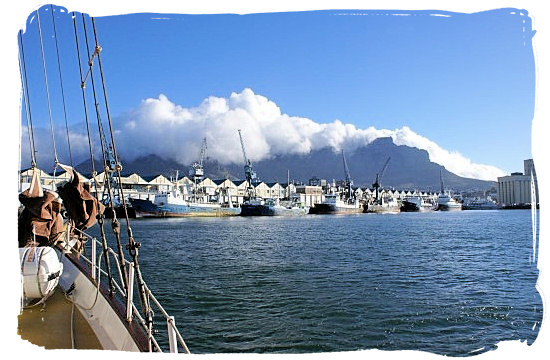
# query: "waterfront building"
x,y
225,189
277,190
310,195
262,190
133,184
208,186
159,183
315,181
515,189
242,186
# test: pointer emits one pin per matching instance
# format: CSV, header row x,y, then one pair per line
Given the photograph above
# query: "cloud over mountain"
x,y
159,126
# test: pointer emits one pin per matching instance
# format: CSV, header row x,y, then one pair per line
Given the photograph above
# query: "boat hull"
x,y
322,209
449,207
266,210
381,209
408,206
146,208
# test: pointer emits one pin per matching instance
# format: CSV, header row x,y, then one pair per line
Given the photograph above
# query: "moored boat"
x,y
388,206
480,204
445,202
333,204
171,205
273,207
416,203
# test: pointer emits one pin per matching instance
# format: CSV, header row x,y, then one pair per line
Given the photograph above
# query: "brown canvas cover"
x,y
81,206
40,222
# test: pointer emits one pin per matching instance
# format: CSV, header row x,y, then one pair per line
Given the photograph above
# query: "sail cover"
x,y
81,206
40,220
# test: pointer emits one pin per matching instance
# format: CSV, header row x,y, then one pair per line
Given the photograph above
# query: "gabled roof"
x,y
239,182
157,179
134,179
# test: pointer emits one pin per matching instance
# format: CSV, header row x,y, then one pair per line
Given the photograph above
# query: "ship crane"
x,y
249,172
197,170
376,184
349,182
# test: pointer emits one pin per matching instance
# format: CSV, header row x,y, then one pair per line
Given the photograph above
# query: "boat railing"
x,y
94,260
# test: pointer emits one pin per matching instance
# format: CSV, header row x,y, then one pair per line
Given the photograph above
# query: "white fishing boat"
x,y
416,203
445,202
344,202
273,207
335,204
78,291
388,205
480,204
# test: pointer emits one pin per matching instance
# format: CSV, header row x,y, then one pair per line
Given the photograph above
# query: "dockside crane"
x,y
349,182
249,172
197,169
379,175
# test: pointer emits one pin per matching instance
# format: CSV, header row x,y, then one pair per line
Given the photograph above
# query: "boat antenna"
x,y
26,99
61,85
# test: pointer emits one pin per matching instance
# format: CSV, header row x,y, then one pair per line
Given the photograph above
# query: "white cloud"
x,y
158,126
162,127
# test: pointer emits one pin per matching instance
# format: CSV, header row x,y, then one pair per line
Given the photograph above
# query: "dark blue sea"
x,y
452,283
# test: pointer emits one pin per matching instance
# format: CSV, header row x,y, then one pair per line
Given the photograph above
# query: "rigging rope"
x,y
114,223
61,84
101,216
26,99
47,92
132,246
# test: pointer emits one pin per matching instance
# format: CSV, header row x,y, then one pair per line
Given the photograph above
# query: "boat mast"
x,y
441,181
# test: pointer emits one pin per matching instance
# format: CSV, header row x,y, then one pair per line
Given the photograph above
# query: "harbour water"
x,y
446,283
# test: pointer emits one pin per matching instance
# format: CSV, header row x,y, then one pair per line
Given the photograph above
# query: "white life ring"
x,y
40,271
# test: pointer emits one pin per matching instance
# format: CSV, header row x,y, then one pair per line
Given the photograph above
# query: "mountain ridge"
x,y
408,168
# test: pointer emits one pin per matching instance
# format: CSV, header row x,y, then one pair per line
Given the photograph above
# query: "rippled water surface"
x,y
446,283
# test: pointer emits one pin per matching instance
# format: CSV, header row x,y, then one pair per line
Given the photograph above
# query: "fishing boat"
x,y
415,203
273,207
480,204
173,204
384,205
335,204
78,291
445,202
344,202
381,203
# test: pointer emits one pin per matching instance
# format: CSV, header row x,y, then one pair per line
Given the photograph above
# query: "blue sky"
x,y
463,81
